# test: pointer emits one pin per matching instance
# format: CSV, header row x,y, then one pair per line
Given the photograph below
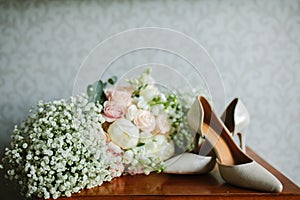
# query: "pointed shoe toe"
x,y
189,163
250,175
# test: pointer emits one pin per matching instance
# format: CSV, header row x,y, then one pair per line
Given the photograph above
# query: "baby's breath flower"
x,y
58,150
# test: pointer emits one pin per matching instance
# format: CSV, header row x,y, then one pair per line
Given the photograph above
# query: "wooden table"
x,y
167,186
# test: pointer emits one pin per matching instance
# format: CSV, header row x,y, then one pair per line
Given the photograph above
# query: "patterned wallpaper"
x,y
255,44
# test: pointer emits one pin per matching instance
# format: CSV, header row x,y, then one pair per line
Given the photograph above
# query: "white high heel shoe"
x,y
236,119
235,166
189,163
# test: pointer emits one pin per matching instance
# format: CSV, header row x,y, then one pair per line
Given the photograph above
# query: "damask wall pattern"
x,y
255,44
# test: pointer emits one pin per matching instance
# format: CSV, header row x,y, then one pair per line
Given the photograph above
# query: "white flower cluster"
x,y
142,120
148,157
184,137
59,150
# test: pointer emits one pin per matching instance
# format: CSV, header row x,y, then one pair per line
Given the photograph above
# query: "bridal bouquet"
x,y
140,119
67,145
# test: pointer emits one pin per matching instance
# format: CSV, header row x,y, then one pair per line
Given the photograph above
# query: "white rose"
x,y
149,92
142,104
128,157
123,133
163,124
145,137
145,120
161,147
132,111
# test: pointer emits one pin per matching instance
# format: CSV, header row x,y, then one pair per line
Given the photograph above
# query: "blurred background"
x,y
255,44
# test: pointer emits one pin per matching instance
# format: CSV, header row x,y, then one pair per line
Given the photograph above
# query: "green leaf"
x,y
91,93
140,144
96,91
99,87
102,98
90,90
99,90
112,80
148,71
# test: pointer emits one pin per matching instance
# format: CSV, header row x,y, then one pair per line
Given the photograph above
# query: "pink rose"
x,y
163,124
130,89
145,120
120,97
113,111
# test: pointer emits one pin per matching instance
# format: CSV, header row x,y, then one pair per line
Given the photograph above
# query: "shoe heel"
x,y
242,140
242,121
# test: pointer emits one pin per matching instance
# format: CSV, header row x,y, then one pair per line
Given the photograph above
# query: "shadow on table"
x,y
9,190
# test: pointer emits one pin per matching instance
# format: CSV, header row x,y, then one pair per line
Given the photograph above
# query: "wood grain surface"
x,y
170,186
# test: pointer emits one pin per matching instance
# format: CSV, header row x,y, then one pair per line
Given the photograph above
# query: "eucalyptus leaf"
x,y
112,80
96,91
102,98
90,90
91,93
99,87
97,98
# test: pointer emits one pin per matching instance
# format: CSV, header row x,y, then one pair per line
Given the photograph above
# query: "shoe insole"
x,y
222,149
227,151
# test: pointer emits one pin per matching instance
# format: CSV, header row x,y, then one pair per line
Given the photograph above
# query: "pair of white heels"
x,y
235,166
